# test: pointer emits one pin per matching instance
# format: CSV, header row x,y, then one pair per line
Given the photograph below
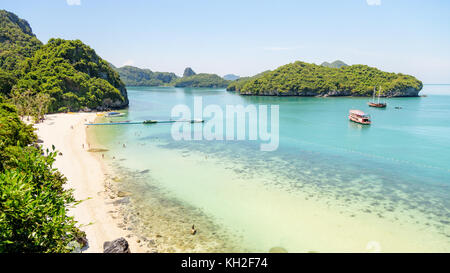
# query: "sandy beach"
x,y
86,176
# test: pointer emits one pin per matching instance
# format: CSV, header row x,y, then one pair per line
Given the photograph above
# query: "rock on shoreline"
x,y
119,245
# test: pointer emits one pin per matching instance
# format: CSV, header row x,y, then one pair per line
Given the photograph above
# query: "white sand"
x,y
86,176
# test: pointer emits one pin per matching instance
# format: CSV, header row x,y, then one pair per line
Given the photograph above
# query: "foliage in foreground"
x,y
33,202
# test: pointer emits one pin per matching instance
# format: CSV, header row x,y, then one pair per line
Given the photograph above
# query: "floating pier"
x,y
146,122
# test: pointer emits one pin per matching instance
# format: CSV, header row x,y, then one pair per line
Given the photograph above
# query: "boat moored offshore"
x,y
377,104
359,116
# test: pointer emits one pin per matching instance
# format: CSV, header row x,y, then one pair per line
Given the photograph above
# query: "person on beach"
x,y
82,145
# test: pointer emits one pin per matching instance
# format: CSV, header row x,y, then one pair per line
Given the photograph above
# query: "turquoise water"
x,y
331,185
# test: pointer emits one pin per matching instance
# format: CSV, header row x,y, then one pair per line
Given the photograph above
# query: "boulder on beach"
x,y
119,245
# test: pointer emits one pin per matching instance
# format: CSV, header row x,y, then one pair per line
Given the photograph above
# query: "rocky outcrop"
x,y
117,246
406,92
188,72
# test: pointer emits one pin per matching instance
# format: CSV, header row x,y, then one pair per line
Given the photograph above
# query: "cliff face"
x,y
303,79
188,72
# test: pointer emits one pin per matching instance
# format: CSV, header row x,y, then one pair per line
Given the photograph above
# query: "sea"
x,y
329,185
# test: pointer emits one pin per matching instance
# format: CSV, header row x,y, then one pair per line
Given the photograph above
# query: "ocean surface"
x,y
331,186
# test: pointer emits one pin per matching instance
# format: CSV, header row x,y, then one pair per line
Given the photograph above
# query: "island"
x,y
191,79
135,76
305,79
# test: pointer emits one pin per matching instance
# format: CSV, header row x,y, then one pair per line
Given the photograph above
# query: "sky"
x,y
245,37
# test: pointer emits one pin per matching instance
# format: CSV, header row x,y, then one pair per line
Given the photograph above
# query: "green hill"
x,y
74,76
202,80
17,41
70,72
134,76
304,79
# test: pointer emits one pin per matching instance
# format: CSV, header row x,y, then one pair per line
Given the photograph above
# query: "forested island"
x,y
62,75
134,76
305,79
191,79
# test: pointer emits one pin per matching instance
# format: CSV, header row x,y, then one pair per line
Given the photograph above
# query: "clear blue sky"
x,y
246,37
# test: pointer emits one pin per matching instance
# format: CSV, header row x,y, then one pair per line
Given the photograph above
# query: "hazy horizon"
x,y
246,38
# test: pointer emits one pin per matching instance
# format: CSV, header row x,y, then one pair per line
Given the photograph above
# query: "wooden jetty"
x,y
146,122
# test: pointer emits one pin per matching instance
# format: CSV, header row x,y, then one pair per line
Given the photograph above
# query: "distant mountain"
x,y
134,76
231,77
188,72
335,64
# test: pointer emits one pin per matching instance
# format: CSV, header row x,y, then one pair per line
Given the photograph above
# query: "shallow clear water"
x,y
332,185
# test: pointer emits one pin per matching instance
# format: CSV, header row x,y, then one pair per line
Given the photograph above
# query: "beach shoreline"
x,y
86,174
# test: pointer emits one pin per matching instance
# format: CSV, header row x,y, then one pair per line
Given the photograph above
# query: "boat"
x,y
359,116
114,114
377,104
150,121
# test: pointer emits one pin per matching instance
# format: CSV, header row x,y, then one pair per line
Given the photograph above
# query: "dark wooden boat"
x,y
377,104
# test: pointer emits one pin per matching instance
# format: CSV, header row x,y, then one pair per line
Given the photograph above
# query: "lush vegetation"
x,y
74,76
134,76
69,72
201,80
304,79
31,105
17,41
33,202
